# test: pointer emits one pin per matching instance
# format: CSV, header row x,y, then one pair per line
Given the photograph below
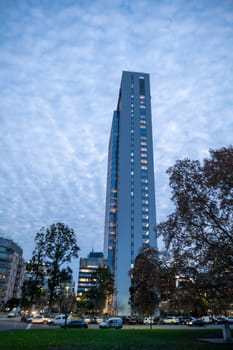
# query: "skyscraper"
x,y
130,199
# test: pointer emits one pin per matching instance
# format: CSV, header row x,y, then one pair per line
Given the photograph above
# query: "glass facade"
x,y
130,198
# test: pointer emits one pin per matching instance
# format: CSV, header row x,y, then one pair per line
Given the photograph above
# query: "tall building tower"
x,y
130,199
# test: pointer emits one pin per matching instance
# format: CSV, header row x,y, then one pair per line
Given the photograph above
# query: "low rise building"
x,y
11,270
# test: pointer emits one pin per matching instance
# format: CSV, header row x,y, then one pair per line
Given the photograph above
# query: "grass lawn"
x,y
106,339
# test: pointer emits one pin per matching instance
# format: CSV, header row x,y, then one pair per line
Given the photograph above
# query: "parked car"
x,y
59,320
132,320
113,322
75,324
196,323
209,319
185,319
170,320
97,320
219,320
26,318
148,320
86,319
41,319
230,319
12,314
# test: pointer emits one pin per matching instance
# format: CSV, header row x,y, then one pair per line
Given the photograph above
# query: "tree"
x,y
58,246
97,297
32,289
104,286
199,233
144,290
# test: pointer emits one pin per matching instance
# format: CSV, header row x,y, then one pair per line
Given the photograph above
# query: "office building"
x,y
87,266
11,271
130,197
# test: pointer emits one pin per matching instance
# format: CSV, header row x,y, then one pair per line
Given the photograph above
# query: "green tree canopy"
x,y
32,290
57,245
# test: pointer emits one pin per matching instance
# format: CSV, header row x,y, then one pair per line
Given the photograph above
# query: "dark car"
x,y
75,324
185,319
196,323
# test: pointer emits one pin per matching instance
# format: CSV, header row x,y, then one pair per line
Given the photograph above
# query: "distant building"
x,y
11,270
130,216
87,267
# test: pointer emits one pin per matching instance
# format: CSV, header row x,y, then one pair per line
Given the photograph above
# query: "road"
x,y
16,323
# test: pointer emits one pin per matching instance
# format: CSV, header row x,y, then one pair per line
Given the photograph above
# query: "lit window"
x,y
144,155
144,161
145,194
142,126
144,180
144,167
145,209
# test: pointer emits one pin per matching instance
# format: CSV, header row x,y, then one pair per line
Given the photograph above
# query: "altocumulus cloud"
x,y
60,67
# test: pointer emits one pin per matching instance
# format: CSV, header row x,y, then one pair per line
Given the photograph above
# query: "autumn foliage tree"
x,y
199,233
144,290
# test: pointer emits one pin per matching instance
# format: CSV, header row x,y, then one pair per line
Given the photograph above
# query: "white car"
x,y
113,322
148,320
12,314
60,319
41,319
170,320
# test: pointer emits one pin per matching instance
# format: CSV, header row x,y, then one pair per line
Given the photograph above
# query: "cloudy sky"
x,y
60,69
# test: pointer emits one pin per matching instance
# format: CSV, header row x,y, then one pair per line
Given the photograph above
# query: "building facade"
x,y
11,270
87,266
130,217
